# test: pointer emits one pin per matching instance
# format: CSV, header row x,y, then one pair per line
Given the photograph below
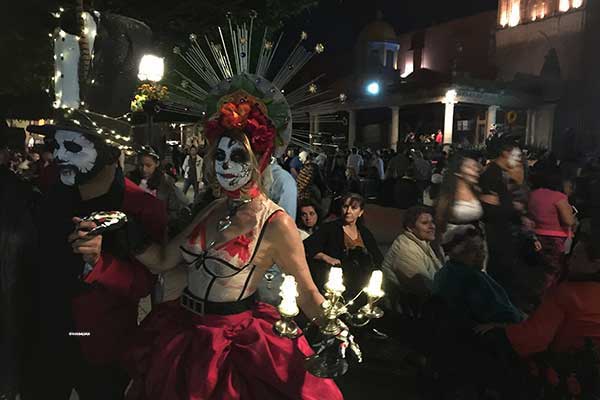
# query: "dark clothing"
x,y
406,193
17,247
498,220
192,169
357,263
473,292
103,303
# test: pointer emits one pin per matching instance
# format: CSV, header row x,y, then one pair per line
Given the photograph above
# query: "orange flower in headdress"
x,y
234,116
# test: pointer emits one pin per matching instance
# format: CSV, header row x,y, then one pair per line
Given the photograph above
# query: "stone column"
x,y
351,128
491,119
395,127
530,127
448,122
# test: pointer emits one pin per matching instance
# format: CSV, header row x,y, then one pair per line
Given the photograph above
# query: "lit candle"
x,y
374,287
288,293
336,280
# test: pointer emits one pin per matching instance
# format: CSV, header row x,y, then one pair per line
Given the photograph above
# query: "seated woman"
x,y
411,263
308,218
463,285
346,242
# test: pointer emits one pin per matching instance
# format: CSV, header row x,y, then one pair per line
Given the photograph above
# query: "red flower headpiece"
x,y
250,119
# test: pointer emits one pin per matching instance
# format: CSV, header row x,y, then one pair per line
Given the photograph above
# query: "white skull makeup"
x,y
232,164
75,155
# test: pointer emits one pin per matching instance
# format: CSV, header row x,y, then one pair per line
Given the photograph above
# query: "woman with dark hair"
x,y
458,202
17,249
308,218
151,177
346,242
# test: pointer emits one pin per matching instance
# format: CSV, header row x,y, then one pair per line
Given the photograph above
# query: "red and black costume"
x,y
101,305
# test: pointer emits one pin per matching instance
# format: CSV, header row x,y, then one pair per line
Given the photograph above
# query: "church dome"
x,y
378,31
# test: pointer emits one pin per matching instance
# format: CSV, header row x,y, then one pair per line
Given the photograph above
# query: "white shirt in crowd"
x,y
355,161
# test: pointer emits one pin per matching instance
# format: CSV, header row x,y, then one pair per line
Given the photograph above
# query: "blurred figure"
x,y
151,177
355,161
458,203
297,163
192,172
353,184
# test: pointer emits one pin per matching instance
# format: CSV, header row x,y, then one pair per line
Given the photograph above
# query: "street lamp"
x,y
373,88
449,100
151,69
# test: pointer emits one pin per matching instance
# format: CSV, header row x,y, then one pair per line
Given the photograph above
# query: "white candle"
x,y
374,287
288,293
336,280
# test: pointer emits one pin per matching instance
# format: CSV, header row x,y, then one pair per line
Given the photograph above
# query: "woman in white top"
x,y
411,263
458,203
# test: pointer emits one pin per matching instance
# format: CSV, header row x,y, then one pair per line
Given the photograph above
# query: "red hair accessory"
x,y
249,119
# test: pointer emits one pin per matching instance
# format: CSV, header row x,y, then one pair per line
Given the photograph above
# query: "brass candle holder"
x,y
288,309
329,360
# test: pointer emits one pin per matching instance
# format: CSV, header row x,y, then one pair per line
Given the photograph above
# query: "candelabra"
x,y
329,359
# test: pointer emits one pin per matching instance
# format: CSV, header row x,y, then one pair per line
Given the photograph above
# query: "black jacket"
x,y
357,264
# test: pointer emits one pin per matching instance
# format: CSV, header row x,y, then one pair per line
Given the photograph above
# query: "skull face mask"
x,y
232,164
76,157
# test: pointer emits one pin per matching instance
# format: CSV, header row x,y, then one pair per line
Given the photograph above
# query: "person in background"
x,y
499,214
458,203
150,177
287,159
308,218
466,289
336,242
282,188
568,314
377,163
553,216
353,184
411,263
192,172
18,245
422,171
439,137
298,162
321,161
355,161
406,191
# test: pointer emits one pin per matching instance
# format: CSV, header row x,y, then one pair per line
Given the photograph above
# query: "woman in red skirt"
x,y
216,341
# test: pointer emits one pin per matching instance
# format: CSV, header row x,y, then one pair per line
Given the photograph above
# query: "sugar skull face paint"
x,y
232,164
76,156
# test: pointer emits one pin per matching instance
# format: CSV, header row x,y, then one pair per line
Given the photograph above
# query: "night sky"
x,y
338,22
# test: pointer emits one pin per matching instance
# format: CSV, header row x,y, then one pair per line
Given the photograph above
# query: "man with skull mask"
x,y
89,286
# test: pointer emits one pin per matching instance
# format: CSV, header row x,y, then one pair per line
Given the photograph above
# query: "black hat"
x,y
112,131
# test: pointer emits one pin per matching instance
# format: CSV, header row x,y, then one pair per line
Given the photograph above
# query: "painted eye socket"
x,y
72,146
239,156
220,156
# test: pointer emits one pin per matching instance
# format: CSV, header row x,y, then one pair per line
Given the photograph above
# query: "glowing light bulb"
x,y
62,33
577,3
564,5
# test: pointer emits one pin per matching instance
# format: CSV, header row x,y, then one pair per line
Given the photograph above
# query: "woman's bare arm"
x,y
565,213
288,253
160,258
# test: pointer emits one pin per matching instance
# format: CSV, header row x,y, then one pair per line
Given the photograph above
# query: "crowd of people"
x,y
497,262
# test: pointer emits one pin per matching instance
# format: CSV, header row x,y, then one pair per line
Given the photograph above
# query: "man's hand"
x,y
89,247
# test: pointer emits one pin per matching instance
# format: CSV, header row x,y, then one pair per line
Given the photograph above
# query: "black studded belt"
x,y
202,307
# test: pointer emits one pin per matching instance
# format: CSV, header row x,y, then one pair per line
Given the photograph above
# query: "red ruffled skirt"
x,y
178,355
